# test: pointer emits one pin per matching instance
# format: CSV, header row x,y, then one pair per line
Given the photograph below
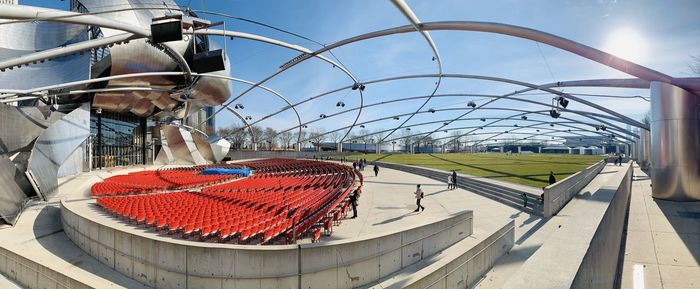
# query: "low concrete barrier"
x,y
461,269
31,274
583,251
245,155
162,262
558,194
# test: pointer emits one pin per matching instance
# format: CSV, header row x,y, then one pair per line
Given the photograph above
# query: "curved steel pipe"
x,y
408,13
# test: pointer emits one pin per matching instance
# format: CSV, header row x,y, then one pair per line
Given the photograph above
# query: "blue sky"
x,y
658,34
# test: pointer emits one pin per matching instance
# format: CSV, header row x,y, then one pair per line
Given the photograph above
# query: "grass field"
x,y
527,169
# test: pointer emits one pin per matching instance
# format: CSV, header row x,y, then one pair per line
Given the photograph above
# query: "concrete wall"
x,y
558,194
30,274
169,263
599,266
464,269
583,251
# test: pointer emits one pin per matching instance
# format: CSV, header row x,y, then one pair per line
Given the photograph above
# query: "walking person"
x,y
524,195
354,165
619,160
552,179
376,170
449,181
454,179
419,196
353,203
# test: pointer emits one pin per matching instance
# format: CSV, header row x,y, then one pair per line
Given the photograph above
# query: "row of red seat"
x,y
283,200
156,181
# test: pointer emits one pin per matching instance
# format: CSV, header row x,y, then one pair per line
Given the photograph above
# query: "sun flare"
x,y
627,43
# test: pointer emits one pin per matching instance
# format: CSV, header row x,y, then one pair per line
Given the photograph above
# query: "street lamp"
x,y
393,146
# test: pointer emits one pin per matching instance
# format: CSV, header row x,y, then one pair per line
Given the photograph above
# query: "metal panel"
x,y
14,190
18,39
165,156
54,146
188,138
675,143
176,143
219,147
203,147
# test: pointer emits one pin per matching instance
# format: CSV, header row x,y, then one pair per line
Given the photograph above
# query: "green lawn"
x,y
527,169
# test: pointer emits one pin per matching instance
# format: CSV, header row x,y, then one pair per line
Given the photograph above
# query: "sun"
x,y
627,43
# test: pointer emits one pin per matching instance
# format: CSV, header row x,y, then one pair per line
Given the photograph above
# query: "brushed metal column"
x,y
675,143
645,148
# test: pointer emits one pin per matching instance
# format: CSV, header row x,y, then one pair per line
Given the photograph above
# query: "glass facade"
x,y
117,140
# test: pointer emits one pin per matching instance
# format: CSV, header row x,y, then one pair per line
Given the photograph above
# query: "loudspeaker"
x,y
208,61
554,114
166,31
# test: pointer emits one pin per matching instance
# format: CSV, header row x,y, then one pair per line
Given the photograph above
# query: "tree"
x,y
318,136
286,138
235,134
299,135
406,139
456,139
270,136
256,135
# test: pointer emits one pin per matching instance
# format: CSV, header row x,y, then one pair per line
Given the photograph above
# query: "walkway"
x,y
388,203
526,246
663,241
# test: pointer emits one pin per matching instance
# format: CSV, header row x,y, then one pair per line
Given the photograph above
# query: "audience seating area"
x,y
282,201
157,181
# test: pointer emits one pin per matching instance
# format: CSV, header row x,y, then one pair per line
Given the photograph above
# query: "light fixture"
x,y
563,101
515,125
248,118
445,123
396,118
554,113
431,110
322,116
340,103
551,124
239,106
445,131
483,119
523,117
362,126
408,128
471,104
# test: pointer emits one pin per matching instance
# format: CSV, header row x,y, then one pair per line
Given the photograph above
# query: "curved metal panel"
x,y
219,148
177,145
19,39
191,146
54,146
675,143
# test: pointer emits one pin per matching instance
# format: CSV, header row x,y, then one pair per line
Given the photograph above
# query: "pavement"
x,y
388,203
663,241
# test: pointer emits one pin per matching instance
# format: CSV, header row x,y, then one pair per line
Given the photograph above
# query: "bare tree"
x,y
256,135
406,139
286,138
318,136
335,136
296,135
235,134
270,136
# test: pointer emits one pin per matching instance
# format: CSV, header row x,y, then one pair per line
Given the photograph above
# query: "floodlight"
x,y
524,117
563,102
554,113
471,104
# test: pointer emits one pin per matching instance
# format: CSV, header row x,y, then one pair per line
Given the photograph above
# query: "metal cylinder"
x,y
645,148
675,143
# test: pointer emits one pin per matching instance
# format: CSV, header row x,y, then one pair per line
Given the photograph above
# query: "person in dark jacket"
x,y
354,165
353,203
552,179
376,170
524,195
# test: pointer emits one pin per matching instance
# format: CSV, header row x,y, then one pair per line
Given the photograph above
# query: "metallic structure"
x,y
103,53
675,143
